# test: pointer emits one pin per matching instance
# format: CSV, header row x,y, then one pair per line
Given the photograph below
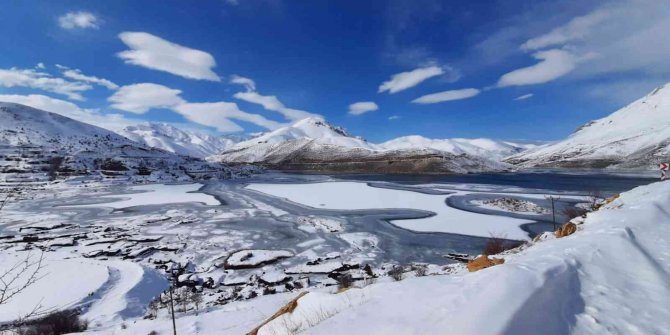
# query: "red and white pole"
x,y
664,167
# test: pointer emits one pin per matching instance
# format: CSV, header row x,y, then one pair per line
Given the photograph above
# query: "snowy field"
x,y
248,248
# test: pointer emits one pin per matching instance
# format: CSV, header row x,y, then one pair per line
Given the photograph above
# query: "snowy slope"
x,y
482,147
611,277
313,141
636,136
312,129
31,139
183,142
26,126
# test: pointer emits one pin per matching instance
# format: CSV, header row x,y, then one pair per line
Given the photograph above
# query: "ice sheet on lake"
x,y
360,196
157,194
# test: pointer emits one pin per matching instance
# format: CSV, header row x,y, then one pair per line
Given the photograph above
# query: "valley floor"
x,y
108,247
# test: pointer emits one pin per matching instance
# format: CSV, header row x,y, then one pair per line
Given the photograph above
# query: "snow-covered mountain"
x,y
169,138
482,147
26,126
313,144
636,136
34,143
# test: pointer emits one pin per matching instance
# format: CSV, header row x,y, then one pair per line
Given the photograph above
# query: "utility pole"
x,y
553,210
174,324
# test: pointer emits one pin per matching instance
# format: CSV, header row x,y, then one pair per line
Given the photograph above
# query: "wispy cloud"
x,y
362,107
578,28
156,53
218,114
43,81
524,97
248,83
553,64
393,117
447,96
78,20
619,37
76,74
404,80
269,102
140,98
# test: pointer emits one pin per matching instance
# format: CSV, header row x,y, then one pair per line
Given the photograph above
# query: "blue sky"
x,y
531,70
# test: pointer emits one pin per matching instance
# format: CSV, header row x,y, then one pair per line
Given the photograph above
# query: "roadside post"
x,y
664,167
553,210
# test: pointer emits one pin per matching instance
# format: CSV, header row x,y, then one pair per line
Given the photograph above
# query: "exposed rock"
x,y
483,262
566,229
288,308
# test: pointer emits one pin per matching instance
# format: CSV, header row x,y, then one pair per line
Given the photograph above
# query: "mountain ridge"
x,y
635,136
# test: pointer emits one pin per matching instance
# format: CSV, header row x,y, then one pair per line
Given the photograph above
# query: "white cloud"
x,y
78,20
447,96
39,80
271,103
140,98
394,117
40,66
578,28
616,37
404,80
553,64
91,116
77,75
218,115
524,97
248,83
362,107
156,53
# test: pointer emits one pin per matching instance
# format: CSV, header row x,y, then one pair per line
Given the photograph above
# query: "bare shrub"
x,y
344,281
396,273
573,212
421,271
54,165
197,299
497,244
56,323
19,277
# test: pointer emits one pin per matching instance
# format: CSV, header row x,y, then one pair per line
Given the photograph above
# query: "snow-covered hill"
x,y
314,144
636,136
35,143
482,147
169,138
26,126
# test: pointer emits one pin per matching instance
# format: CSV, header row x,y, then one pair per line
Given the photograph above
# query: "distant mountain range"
x,y
313,144
183,142
636,136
